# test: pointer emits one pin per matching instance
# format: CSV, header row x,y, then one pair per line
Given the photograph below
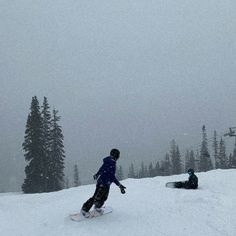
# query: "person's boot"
x,y
98,210
86,214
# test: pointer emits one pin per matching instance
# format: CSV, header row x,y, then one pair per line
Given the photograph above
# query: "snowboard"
x,y
176,184
92,214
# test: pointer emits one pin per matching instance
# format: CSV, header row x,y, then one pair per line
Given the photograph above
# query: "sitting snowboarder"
x,y
105,176
191,183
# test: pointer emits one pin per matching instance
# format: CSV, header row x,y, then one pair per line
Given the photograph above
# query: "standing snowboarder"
x,y
105,176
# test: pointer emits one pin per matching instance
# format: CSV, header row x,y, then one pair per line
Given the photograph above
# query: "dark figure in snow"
x,y
105,176
191,183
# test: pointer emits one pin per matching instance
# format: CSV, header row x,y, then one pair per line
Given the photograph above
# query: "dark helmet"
x,y
115,153
190,171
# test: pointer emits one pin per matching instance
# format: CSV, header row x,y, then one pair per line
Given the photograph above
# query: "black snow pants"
x,y
99,197
184,184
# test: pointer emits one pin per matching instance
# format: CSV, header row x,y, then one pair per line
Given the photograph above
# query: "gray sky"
x,y
125,74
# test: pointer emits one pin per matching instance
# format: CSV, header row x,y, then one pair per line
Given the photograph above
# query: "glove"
x,y
95,177
122,188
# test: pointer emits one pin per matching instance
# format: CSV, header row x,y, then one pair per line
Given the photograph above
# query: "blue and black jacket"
x,y
107,173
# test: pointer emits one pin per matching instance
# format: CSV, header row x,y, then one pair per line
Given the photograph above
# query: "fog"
x,y
126,74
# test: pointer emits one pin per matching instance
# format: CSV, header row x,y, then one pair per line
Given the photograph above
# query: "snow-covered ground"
x,y
148,208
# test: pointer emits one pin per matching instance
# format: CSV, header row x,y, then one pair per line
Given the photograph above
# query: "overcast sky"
x,y
126,74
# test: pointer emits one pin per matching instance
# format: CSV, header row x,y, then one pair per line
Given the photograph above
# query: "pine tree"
x,y
187,161
46,133
143,172
192,160
205,160
120,173
179,162
167,164
76,176
175,158
197,162
230,160
157,169
222,155
162,168
215,151
56,162
33,148
151,170
165,168
67,183
233,160
131,173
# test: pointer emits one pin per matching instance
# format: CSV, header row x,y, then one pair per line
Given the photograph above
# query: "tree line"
x,y
44,153
201,160
174,163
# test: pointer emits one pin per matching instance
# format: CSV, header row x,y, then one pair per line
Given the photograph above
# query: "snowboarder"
x,y
191,183
105,176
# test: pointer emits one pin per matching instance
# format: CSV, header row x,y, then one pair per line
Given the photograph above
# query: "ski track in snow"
x,y
147,208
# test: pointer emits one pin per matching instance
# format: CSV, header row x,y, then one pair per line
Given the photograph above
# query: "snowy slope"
x,y
148,208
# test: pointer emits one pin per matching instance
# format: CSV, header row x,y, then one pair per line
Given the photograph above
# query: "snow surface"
x,y
148,208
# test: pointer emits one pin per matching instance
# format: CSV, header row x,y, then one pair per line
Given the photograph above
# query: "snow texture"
x,y
147,208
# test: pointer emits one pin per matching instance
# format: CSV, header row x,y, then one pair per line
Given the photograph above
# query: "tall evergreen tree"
x,y
167,162
175,158
165,168
67,182
179,162
151,170
76,176
192,160
33,148
222,155
187,161
205,163
157,169
56,162
120,173
233,160
215,151
197,161
141,172
131,173
46,142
